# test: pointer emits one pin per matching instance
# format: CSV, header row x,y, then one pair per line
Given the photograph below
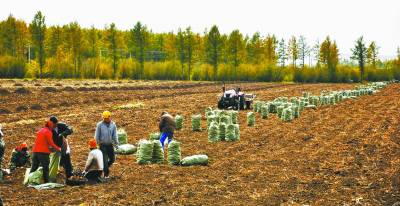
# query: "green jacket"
x,y
19,159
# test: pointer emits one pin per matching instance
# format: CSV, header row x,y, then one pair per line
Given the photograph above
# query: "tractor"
x,y
235,99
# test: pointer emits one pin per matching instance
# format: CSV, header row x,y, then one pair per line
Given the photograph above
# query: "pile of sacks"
x,y
288,109
222,125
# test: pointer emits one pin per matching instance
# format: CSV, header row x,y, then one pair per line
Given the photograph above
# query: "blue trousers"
x,y
164,136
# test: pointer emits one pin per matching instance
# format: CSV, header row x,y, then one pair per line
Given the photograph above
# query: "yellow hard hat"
x,y
106,114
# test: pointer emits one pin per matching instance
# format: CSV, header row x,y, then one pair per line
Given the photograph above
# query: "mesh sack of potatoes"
x,y
145,152
279,111
234,117
296,111
174,153
251,119
195,160
230,133
287,115
126,149
222,131
122,136
154,136
226,119
179,122
210,119
158,154
208,109
264,111
196,122
213,132
237,131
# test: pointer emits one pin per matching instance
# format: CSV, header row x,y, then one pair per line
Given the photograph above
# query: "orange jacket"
x,y
44,140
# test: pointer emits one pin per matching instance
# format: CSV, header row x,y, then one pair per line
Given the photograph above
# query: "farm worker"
x,y
167,127
94,163
41,150
2,148
60,134
106,137
20,157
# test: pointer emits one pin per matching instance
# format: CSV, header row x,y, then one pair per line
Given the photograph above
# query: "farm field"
x,y
346,153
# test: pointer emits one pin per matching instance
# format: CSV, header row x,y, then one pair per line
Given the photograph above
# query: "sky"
x,y
343,20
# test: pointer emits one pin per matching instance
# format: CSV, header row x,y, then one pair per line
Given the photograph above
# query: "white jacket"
x,y
94,161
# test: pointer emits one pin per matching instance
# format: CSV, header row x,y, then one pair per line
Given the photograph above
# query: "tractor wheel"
x,y
241,103
248,105
221,104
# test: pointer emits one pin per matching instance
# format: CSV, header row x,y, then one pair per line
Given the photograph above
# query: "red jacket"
x,y
44,140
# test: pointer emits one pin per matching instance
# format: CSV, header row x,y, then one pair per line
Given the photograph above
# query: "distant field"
x,y
334,155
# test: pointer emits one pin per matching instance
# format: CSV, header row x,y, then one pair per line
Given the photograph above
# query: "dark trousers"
x,y
43,160
94,175
66,163
108,157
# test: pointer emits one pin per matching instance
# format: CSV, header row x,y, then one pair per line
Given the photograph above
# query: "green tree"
x,y
181,49
329,56
255,49
282,53
359,53
293,51
113,46
213,48
75,39
270,43
190,46
372,54
13,37
139,42
38,32
236,47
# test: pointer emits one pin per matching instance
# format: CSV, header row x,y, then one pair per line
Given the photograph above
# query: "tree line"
x,y
36,50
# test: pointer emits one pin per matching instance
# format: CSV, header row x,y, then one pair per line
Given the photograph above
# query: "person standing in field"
x,y
2,148
94,163
41,149
60,134
167,127
106,137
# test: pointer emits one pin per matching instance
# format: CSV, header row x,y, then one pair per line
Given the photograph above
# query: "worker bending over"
x,y
167,127
94,164
20,157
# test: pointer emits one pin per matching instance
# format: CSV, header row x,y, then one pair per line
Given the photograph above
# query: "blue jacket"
x,y
106,133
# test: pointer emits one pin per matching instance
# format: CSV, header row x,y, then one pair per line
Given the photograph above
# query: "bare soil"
x,y
336,155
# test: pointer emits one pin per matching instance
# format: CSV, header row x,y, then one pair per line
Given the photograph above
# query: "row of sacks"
x,y
150,152
222,125
289,108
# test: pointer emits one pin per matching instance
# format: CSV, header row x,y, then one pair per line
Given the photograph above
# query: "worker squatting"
x,y
53,139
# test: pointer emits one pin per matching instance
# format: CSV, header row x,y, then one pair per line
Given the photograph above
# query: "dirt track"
x,y
335,155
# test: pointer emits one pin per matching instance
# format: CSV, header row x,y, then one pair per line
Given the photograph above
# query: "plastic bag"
x,y
179,122
174,153
122,136
126,149
195,160
158,154
213,132
251,119
145,152
196,122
